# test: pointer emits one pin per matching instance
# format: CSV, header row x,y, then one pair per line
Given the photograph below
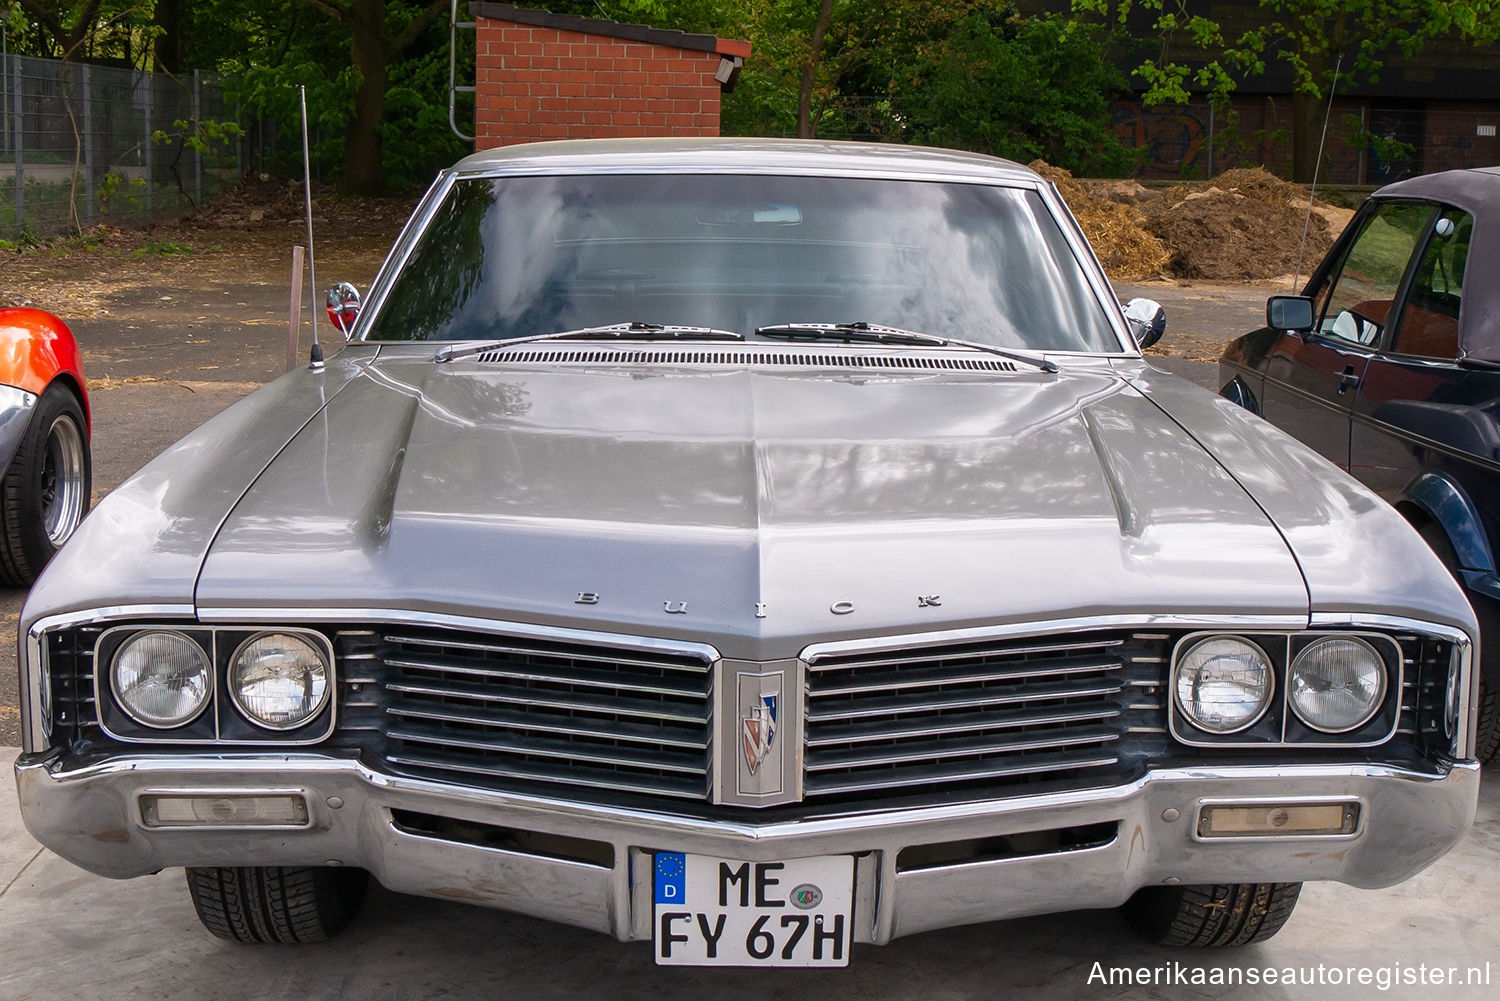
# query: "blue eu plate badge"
x,y
671,877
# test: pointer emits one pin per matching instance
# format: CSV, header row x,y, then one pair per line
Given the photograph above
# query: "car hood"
x,y
759,507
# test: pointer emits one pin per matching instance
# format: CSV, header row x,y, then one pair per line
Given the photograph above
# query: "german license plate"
x,y
721,912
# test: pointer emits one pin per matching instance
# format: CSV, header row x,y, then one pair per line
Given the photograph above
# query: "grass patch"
x,y
162,248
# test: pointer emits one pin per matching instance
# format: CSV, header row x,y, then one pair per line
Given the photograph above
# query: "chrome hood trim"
x,y
689,499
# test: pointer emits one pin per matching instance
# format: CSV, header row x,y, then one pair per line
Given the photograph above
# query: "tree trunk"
x,y
168,48
809,72
364,173
1307,132
1308,114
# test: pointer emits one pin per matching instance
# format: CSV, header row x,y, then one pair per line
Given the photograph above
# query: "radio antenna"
x,y
1307,218
316,361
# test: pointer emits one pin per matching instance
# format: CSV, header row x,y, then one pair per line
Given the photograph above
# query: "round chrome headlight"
x,y
161,679
1223,684
278,681
1337,684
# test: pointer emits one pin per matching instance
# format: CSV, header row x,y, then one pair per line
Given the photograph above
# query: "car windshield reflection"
x,y
504,258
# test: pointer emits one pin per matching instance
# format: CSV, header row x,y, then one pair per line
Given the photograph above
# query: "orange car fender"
x,y
36,349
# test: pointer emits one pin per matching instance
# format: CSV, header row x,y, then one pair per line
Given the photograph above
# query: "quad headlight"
x,y
278,680
161,679
1224,684
1337,684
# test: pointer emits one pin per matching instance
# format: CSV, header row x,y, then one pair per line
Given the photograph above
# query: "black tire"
x,y
1212,916
45,491
1487,731
277,904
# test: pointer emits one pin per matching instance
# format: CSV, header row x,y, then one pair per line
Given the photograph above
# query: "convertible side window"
x,y
1355,304
1428,327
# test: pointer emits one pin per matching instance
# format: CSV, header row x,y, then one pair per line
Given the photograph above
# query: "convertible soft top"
x,y
1477,192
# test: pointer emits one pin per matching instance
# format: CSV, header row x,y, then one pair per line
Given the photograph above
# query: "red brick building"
x,y
540,75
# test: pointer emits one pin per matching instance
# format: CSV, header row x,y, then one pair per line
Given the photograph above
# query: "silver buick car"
x,y
753,549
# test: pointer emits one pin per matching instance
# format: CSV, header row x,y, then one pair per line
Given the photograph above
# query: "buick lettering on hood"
x,y
754,549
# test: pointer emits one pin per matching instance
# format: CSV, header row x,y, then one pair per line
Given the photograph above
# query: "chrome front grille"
x,y
70,658
991,712
491,710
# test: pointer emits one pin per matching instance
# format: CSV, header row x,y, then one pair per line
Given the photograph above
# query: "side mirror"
x,y
1289,312
1148,321
343,307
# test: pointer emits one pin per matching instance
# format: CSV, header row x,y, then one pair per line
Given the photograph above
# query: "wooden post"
x,y
294,331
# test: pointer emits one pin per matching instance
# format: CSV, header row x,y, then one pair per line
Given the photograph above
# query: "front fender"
x,y
1447,503
35,349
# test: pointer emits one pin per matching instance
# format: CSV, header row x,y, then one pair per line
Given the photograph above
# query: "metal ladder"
x,y
453,88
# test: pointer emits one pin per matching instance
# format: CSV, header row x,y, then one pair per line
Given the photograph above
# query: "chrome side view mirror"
x,y
1148,321
343,307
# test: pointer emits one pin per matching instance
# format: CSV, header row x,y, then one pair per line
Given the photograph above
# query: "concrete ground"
x,y
67,934
165,360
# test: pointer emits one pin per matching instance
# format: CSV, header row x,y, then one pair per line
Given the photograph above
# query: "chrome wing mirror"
x,y
1148,321
343,307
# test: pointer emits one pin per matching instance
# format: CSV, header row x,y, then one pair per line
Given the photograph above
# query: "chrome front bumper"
x,y
92,817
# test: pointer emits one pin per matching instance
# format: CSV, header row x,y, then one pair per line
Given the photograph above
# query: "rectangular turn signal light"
x,y
1246,820
224,810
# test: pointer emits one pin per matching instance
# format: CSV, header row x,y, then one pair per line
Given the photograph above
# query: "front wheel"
x,y
1213,915
46,489
283,904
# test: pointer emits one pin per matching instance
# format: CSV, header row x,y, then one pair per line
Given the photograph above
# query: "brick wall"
x,y
538,82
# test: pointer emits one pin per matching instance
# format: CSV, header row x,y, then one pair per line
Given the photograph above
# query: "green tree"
x,y
1308,36
1016,87
380,31
83,29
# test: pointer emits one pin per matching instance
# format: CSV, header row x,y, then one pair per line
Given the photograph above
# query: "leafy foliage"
x,y
1318,40
1022,88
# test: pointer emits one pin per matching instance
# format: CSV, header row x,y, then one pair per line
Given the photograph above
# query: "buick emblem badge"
x,y
758,731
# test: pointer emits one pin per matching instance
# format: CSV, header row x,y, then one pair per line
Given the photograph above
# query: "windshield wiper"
x,y
633,331
874,333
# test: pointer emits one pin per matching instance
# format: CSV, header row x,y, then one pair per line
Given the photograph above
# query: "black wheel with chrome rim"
x,y
46,488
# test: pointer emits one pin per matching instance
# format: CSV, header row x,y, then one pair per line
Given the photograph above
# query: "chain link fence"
x,y
83,144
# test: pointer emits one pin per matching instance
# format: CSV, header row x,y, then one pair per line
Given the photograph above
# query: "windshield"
x,y
520,256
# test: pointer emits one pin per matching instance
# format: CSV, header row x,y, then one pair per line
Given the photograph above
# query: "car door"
x,y
1312,378
1418,410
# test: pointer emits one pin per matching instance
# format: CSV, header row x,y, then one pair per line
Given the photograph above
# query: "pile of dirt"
x,y
263,201
1244,224
1113,224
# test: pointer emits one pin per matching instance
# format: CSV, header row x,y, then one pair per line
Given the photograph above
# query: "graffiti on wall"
x,y
1172,143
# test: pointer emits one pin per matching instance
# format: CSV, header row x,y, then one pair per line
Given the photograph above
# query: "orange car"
x,y
44,441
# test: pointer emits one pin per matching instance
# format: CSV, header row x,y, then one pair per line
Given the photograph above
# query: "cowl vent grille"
x,y
905,362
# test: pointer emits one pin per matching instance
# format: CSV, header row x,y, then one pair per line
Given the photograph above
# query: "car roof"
x,y
802,156
1475,190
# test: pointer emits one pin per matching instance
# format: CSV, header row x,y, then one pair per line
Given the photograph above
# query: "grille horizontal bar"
x,y
964,698
1029,710
1054,764
489,710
